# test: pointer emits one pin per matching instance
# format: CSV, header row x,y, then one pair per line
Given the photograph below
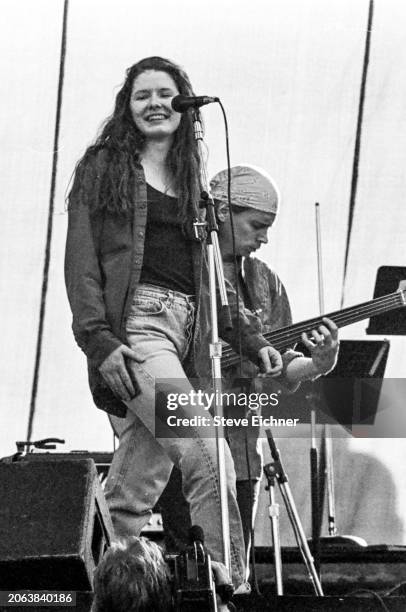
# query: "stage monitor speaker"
x,y
54,525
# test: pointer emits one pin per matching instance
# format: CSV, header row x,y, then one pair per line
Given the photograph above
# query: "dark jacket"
x,y
103,262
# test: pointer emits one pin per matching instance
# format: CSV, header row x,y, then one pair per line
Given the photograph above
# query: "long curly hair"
x,y
123,141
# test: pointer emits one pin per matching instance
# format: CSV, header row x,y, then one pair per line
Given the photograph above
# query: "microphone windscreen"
x,y
180,103
196,534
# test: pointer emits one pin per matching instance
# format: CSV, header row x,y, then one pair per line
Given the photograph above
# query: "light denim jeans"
x,y
160,329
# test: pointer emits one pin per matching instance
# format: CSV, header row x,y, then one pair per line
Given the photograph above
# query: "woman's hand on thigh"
x,y
116,374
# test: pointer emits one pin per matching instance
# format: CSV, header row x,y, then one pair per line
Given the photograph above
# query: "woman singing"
x,y
137,284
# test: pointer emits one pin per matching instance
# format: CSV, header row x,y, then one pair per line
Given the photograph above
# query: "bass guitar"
x,y
287,337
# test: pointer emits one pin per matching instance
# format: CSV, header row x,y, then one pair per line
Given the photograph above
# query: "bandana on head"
x,y
251,187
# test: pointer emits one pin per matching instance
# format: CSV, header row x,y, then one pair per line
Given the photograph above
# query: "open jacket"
x,y
103,263
269,310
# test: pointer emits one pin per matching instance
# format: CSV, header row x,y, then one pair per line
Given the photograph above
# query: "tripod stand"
x,y
275,472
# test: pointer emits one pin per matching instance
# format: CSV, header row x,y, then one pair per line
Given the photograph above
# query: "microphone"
x,y
196,534
224,589
181,103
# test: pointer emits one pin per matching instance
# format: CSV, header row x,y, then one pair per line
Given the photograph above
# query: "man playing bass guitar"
x,y
255,201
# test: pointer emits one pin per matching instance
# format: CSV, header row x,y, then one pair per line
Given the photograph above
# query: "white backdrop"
x,y
289,76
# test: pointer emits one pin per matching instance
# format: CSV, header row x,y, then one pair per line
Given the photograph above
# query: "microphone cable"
x,y
238,331
235,263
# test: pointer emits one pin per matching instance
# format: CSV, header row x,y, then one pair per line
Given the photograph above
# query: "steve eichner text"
x,y
253,401
255,420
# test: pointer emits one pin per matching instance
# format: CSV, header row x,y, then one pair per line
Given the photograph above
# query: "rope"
x,y
357,147
47,256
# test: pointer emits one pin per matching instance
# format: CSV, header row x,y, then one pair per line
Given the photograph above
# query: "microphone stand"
x,y
215,267
316,502
323,479
275,471
328,473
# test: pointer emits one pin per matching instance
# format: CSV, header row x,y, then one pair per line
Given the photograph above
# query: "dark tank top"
x,y
168,251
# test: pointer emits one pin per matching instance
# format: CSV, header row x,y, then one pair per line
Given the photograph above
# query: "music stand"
x,y
350,393
390,323
341,397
